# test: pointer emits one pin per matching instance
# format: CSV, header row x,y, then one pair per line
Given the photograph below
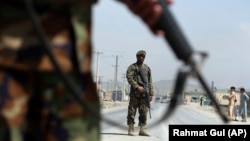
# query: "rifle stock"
x,y
145,86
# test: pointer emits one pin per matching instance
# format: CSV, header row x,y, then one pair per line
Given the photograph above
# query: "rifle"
x,y
144,84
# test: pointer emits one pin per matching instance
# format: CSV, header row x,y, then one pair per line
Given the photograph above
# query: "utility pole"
x,y
99,81
99,88
116,70
123,88
97,69
212,87
124,80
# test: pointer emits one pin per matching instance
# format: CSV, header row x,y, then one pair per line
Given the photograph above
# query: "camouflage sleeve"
x,y
131,77
150,83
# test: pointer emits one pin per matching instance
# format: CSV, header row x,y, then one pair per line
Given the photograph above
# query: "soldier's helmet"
x,y
141,52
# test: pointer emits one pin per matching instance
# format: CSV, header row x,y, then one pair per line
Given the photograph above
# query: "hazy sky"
x,y
219,27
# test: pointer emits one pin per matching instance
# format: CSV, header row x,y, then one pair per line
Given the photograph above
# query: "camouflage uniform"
x,y
137,100
34,102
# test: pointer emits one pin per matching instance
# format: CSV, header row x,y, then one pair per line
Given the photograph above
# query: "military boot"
x,y
131,130
143,131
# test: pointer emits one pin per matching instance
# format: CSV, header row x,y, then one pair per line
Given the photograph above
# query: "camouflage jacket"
x,y
134,78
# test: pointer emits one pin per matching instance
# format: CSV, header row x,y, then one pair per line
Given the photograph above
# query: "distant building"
x,y
117,95
114,96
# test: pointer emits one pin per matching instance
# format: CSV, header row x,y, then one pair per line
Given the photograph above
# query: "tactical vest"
x,y
137,77
146,70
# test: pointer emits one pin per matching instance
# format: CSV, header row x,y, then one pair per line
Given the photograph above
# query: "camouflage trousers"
x,y
140,104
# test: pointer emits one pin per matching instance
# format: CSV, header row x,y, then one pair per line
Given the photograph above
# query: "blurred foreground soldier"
x,y
137,94
35,104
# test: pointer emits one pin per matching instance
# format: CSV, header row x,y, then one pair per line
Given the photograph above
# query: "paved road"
x,y
185,114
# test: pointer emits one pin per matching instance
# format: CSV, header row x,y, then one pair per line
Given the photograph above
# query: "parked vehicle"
x,y
195,99
165,99
158,99
207,101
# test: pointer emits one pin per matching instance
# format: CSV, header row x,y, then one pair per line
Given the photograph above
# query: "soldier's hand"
x,y
150,98
140,89
149,11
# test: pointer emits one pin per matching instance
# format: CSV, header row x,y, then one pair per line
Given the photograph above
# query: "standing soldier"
x,y
137,94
